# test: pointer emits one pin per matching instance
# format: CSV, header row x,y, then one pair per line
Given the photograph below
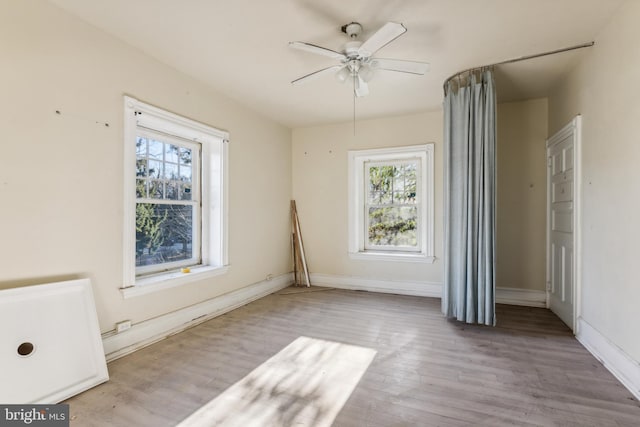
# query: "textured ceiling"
x,y
240,47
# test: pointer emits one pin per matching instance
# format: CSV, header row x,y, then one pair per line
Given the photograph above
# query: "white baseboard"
x,y
525,297
619,363
510,296
145,333
421,289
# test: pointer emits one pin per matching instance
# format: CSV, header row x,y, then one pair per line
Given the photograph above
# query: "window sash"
x,y
196,150
194,202
367,245
195,258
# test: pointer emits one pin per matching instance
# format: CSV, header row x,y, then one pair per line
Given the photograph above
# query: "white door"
x,y
561,223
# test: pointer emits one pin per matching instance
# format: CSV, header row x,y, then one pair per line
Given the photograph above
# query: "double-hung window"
x,y
391,203
168,197
175,199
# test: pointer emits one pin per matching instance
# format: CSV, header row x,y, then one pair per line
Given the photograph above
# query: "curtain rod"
x,y
521,58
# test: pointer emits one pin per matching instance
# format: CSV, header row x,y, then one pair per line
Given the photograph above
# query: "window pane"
x,y
141,147
185,156
185,173
393,226
170,171
156,189
171,153
399,197
380,184
155,149
172,188
141,168
163,233
185,192
155,169
141,188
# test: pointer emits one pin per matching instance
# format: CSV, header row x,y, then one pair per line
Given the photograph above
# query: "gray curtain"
x,y
470,187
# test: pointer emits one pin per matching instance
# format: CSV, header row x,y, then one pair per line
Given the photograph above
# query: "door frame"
x,y
574,127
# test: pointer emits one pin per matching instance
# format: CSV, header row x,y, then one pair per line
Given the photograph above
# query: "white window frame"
x,y
358,219
213,238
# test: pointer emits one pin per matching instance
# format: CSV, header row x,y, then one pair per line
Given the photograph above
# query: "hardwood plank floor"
x,y
428,371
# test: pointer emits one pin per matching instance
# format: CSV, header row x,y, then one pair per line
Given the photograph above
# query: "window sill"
x,y
158,282
389,256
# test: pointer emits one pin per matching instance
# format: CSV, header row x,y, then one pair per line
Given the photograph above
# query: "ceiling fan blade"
x,y
385,35
316,74
412,67
362,88
312,48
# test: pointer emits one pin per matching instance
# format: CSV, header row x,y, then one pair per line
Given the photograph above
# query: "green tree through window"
x,y
392,204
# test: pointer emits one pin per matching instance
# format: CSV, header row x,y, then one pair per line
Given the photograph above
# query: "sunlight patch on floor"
x,y
306,384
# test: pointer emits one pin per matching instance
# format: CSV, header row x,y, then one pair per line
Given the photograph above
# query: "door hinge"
x,y
549,161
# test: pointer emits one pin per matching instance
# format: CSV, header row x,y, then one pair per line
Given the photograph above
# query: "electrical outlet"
x,y
123,326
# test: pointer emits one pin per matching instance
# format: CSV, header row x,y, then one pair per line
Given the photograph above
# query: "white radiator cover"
x,y
55,327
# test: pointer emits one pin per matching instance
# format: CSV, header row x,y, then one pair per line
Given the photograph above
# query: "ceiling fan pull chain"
x,y
354,104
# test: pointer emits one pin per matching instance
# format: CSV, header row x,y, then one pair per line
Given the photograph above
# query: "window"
x,y
391,206
168,198
175,170
391,203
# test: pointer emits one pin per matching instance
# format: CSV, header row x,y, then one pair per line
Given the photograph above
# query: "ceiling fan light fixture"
x,y
361,88
365,72
343,75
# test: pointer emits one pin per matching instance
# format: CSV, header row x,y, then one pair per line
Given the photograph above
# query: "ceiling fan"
x,y
356,58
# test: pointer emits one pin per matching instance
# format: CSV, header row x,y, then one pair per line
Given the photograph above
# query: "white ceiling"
x,y
240,47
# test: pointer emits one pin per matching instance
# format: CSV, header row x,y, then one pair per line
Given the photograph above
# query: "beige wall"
x,y
521,202
320,188
61,209
604,89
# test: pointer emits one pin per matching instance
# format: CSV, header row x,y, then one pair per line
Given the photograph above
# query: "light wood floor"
x,y
428,371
